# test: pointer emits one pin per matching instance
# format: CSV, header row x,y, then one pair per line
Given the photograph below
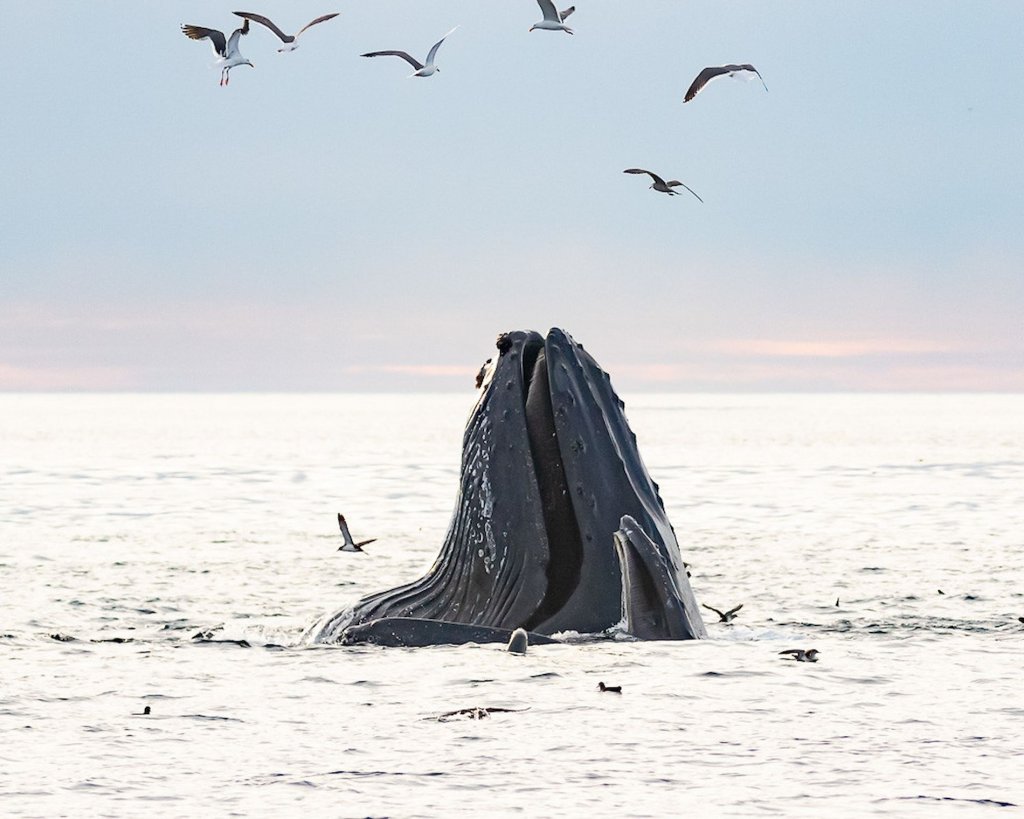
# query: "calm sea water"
x,y
130,523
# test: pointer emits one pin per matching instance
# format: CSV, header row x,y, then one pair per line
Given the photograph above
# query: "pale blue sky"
x,y
327,224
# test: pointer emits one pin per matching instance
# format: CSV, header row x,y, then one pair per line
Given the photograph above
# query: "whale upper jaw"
x,y
549,468
657,602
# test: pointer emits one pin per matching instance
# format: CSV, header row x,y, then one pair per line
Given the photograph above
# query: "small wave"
x,y
990,802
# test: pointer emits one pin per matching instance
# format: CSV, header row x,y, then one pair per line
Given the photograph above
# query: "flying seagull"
x,y
421,69
226,51
554,20
660,184
809,655
724,617
349,545
713,71
290,40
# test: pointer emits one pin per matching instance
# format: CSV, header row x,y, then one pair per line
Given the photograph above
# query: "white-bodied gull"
x,y
291,41
554,20
226,50
350,545
745,71
422,70
660,184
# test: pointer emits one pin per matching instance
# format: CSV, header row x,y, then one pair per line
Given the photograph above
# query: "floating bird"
x,y
712,72
227,52
610,689
477,713
809,655
421,69
554,20
349,545
290,40
940,591
145,712
726,617
837,602
660,184
518,642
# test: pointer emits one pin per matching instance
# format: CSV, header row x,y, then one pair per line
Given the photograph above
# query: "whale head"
x,y
549,468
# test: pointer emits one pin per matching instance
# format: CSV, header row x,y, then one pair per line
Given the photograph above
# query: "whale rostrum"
x,y
557,526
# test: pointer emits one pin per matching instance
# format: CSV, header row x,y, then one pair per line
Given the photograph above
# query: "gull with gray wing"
x,y
422,69
712,72
291,41
661,185
226,50
554,20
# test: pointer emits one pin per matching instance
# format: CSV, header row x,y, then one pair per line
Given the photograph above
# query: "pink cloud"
x,y
30,379
852,348
434,370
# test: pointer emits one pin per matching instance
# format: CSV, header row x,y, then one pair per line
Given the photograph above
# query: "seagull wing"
x,y
312,23
656,178
436,46
737,608
265,21
749,67
549,11
214,36
566,12
362,543
796,652
411,60
705,605
345,534
673,184
235,35
706,76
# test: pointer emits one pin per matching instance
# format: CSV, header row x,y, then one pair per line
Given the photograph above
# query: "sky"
x,y
326,224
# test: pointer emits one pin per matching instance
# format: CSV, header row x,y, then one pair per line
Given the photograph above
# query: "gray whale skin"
x,y
557,526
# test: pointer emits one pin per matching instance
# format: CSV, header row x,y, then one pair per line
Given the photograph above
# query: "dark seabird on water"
x,y
809,655
610,689
349,545
422,70
724,617
145,712
290,40
745,71
661,185
554,20
226,50
477,713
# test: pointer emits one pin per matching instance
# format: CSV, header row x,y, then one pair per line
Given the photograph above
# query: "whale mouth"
x,y
549,468
565,547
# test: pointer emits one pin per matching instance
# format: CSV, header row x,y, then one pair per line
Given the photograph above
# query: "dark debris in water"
x,y
992,802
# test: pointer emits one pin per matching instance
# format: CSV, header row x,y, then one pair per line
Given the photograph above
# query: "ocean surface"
x,y
887,531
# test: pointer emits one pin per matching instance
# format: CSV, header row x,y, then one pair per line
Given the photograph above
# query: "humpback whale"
x,y
557,525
